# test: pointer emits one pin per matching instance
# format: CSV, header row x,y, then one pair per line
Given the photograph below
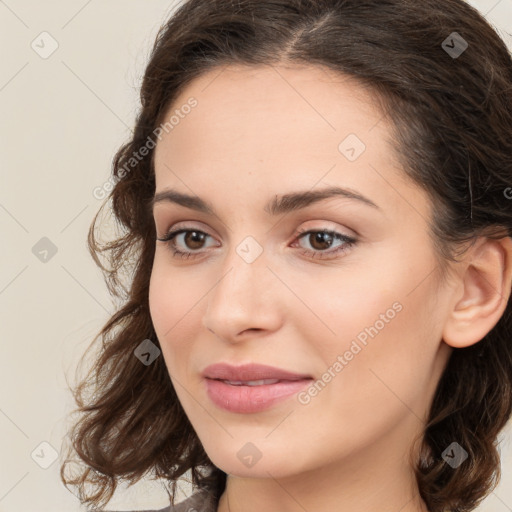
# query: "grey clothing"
x,y
200,501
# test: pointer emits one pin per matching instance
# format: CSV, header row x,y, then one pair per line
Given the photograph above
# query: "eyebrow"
x,y
276,206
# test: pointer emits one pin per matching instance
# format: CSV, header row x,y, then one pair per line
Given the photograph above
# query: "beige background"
x,y
63,117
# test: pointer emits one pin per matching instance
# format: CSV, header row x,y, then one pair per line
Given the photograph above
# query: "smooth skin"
x,y
261,132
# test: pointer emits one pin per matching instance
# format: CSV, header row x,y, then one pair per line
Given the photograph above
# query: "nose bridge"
x,y
243,272
241,298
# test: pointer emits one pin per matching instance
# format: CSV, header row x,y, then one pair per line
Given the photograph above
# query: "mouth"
x,y
250,374
252,396
262,382
251,388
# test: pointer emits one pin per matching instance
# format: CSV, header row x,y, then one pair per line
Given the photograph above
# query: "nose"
x,y
245,300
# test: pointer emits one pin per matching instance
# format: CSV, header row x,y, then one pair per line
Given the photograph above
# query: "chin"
x,y
252,462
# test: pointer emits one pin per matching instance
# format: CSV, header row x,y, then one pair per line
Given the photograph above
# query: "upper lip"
x,y
248,372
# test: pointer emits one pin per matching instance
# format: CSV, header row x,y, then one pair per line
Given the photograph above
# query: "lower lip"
x,y
249,399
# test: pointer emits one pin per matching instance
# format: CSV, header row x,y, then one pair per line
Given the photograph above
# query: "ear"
x,y
483,292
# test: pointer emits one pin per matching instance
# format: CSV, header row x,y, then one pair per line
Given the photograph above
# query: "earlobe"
x,y
486,288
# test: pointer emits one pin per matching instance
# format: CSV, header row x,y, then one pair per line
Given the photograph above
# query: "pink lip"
x,y
250,399
245,372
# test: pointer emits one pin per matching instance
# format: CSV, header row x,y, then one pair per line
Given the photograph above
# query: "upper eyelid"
x,y
186,227
299,233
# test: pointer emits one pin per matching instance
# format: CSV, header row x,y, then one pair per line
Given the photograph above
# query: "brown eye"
x,y
194,239
320,240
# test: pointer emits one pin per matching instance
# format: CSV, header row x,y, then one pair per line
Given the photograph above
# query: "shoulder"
x,y
200,501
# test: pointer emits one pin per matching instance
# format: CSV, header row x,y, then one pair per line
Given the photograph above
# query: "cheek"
x,y
381,318
175,295
387,352
173,305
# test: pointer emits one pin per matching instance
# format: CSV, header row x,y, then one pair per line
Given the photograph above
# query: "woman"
x,y
316,205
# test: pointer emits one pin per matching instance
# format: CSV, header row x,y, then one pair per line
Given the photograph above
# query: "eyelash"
x,y
348,242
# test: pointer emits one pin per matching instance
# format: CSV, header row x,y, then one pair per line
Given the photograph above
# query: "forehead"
x,y
271,128
277,97
271,111
285,84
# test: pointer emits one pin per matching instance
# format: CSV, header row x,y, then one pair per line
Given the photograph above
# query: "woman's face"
x,y
363,319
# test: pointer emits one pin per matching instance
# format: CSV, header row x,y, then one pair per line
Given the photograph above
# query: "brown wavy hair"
x,y
451,120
